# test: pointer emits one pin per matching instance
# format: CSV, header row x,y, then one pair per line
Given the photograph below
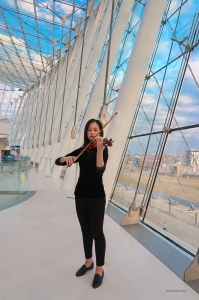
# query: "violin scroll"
x,y
107,142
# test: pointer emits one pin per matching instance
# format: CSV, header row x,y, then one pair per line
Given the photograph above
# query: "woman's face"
x,y
93,129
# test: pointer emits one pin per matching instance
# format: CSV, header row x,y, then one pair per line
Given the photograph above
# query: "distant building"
x,y
192,157
135,161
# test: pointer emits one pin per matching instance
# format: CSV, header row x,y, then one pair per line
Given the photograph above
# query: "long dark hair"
x,y
86,140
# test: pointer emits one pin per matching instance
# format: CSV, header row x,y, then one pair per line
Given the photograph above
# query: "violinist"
x,y
90,196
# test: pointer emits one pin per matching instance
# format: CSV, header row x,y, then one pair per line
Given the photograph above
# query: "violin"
x,y
106,143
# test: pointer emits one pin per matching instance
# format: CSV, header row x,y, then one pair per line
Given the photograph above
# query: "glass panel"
x,y
177,207
188,104
129,177
23,183
14,182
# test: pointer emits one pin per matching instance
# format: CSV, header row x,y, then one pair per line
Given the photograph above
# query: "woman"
x,y
90,197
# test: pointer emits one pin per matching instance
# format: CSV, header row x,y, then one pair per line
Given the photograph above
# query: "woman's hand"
x,y
68,159
99,141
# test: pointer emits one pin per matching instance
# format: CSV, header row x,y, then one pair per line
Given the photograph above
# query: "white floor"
x,y
41,249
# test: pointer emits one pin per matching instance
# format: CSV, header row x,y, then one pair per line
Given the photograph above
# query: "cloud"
x,y
7,40
173,6
44,15
187,110
185,120
22,5
185,100
63,8
148,100
194,65
19,43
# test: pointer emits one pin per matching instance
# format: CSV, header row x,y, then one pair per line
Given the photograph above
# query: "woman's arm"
x,y
68,159
100,150
102,156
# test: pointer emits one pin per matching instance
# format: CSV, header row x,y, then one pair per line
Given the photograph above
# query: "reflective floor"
x,y
41,249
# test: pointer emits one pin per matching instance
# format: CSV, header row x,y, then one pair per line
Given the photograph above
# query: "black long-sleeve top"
x,y
90,184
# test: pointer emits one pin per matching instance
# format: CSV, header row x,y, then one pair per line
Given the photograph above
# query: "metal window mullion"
x,y
11,62
174,116
27,136
3,79
28,15
16,48
169,117
22,72
26,123
27,131
16,133
36,50
20,45
124,42
26,32
37,30
17,9
26,111
4,91
37,107
10,73
2,14
152,126
137,109
18,109
14,56
1,51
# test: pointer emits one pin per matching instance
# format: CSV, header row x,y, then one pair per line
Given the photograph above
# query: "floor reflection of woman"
x,y
90,198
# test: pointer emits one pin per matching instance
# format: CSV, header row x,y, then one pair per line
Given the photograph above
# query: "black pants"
x,y
90,213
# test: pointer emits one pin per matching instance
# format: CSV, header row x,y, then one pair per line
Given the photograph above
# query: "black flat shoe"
x,y
84,269
97,280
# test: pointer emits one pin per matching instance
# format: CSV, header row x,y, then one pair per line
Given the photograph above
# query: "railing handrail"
x,y
13,170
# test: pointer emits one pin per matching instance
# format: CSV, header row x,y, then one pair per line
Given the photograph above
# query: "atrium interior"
x,y
134,65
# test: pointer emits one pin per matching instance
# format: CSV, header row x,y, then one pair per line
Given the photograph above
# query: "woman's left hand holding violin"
x,y
99,141
100,149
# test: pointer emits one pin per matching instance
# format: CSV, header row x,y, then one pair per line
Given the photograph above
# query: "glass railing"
x,y
14,182
12,162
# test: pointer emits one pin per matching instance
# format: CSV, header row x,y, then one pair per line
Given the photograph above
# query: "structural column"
x,y
17,116
19,122
88,74
25,129
70,75
21,117
96,100
131,86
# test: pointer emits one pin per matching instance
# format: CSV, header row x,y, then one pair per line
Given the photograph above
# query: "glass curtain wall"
x,y
121,62
159,170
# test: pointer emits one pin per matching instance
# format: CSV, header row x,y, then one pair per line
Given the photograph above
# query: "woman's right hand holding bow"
x,y
69,160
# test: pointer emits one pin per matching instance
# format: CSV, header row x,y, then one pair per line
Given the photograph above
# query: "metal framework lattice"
x,y
33,35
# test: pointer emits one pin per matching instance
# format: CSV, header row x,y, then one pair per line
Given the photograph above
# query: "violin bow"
x,y
93,139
